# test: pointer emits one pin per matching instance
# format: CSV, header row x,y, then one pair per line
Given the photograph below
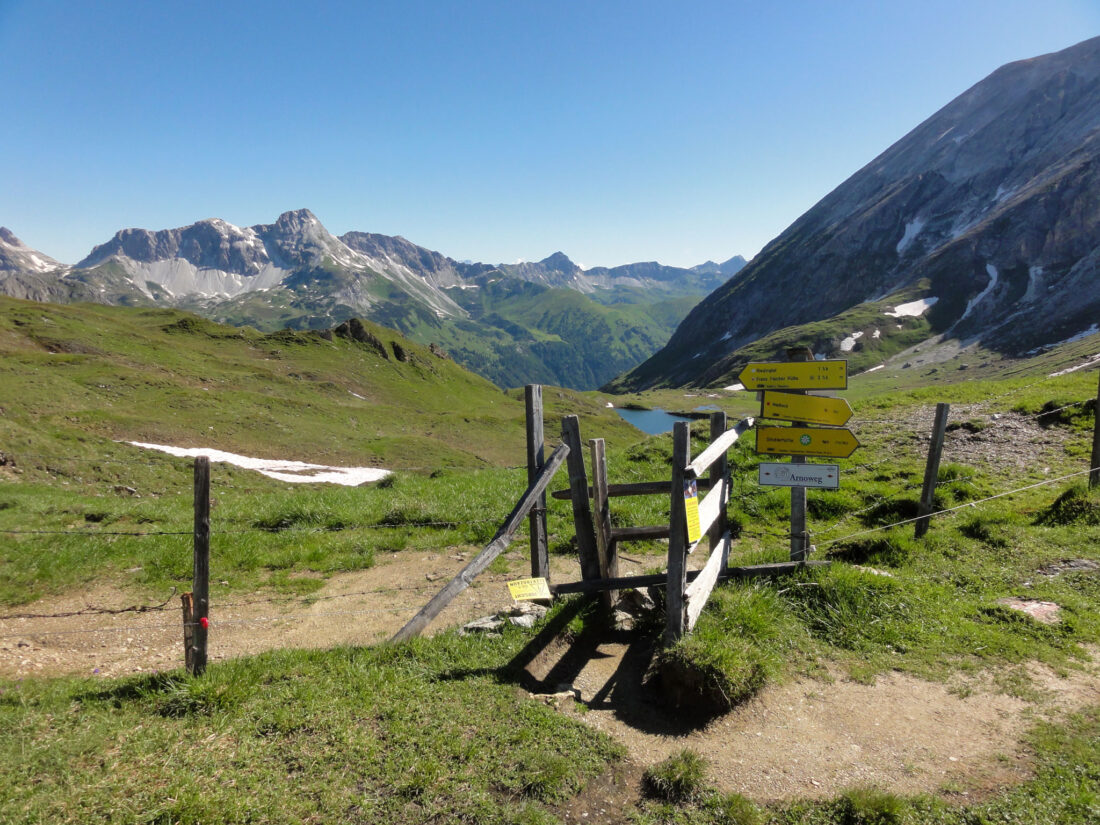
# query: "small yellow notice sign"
x,y
691,509
526,590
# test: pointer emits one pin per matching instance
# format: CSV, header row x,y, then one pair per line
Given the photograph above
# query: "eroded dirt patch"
x,y
814,739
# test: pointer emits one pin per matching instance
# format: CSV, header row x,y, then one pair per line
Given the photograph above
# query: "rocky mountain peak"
x,y
559,262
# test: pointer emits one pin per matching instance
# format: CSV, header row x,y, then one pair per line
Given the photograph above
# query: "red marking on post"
x,y
205,622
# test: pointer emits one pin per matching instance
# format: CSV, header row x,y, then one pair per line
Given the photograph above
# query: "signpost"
x,y
795,375
811,409
806,441
783,387
819,476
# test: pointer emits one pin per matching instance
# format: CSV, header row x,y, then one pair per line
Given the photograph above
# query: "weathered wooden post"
x,y
582,508
540,558
932,470
601,517
800,539
200,586
1094,462
675,603
719,479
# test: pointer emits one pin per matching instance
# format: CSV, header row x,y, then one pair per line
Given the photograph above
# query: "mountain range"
x,y
550,321
982,225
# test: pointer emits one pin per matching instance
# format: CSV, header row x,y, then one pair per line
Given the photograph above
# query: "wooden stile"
x,y
500,542
719,476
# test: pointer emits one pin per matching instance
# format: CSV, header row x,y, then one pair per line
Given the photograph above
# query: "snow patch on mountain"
x,y
848,343
913,309
912,230
991,271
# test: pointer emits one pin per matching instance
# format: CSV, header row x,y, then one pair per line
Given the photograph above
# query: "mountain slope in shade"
x,y
991,206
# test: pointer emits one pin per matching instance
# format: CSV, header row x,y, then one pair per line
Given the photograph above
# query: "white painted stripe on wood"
x,y
699,590
712,453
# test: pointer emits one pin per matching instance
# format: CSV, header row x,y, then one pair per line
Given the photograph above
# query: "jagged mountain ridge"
x,y
295,273
991,206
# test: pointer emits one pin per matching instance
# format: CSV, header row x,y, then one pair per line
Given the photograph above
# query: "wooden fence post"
x,y
582,508
601,515
932,469
200,586
188,602
675,604
800,539
1094,462
540,558
719,475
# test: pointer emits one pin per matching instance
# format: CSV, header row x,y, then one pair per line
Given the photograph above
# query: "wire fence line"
x,y
958,507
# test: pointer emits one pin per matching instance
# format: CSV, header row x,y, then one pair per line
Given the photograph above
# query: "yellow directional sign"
x,y
813,409
529,589
828,443
795,375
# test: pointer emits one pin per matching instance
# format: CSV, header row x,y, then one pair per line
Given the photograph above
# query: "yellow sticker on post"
x,y
526,590
691,510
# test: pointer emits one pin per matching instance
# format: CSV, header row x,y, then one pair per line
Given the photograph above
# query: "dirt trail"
x,y
803,739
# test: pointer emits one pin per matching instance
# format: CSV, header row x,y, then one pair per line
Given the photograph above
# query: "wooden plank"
x,y
500,542
720,477
719,446
581,494
200,583
699,590
540,556
658,579
657,531
601,517
676,618
712,505
931,470
637,488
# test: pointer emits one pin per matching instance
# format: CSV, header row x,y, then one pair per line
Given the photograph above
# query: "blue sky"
x,y
493,131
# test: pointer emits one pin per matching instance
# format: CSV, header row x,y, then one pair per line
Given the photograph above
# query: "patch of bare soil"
x,y
811,738
359,608
995,440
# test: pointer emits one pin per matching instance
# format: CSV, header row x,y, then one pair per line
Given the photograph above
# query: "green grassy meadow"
x,y
440,730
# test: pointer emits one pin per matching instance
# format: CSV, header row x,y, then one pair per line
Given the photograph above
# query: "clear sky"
x,y
493,131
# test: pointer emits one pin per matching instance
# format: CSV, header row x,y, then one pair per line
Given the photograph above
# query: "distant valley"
x,y
549,321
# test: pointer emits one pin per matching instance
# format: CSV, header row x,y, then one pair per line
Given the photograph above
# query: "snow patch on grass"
x,y
294,472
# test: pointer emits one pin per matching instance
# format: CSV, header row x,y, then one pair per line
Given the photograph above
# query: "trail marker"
x,y
806,441
819,476
811,409
529,589
795,375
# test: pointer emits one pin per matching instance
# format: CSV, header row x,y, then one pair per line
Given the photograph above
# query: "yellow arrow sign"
x,y
805,441
795,375
813,409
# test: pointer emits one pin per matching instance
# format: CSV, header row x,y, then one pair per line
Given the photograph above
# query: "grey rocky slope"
x,y
991,207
